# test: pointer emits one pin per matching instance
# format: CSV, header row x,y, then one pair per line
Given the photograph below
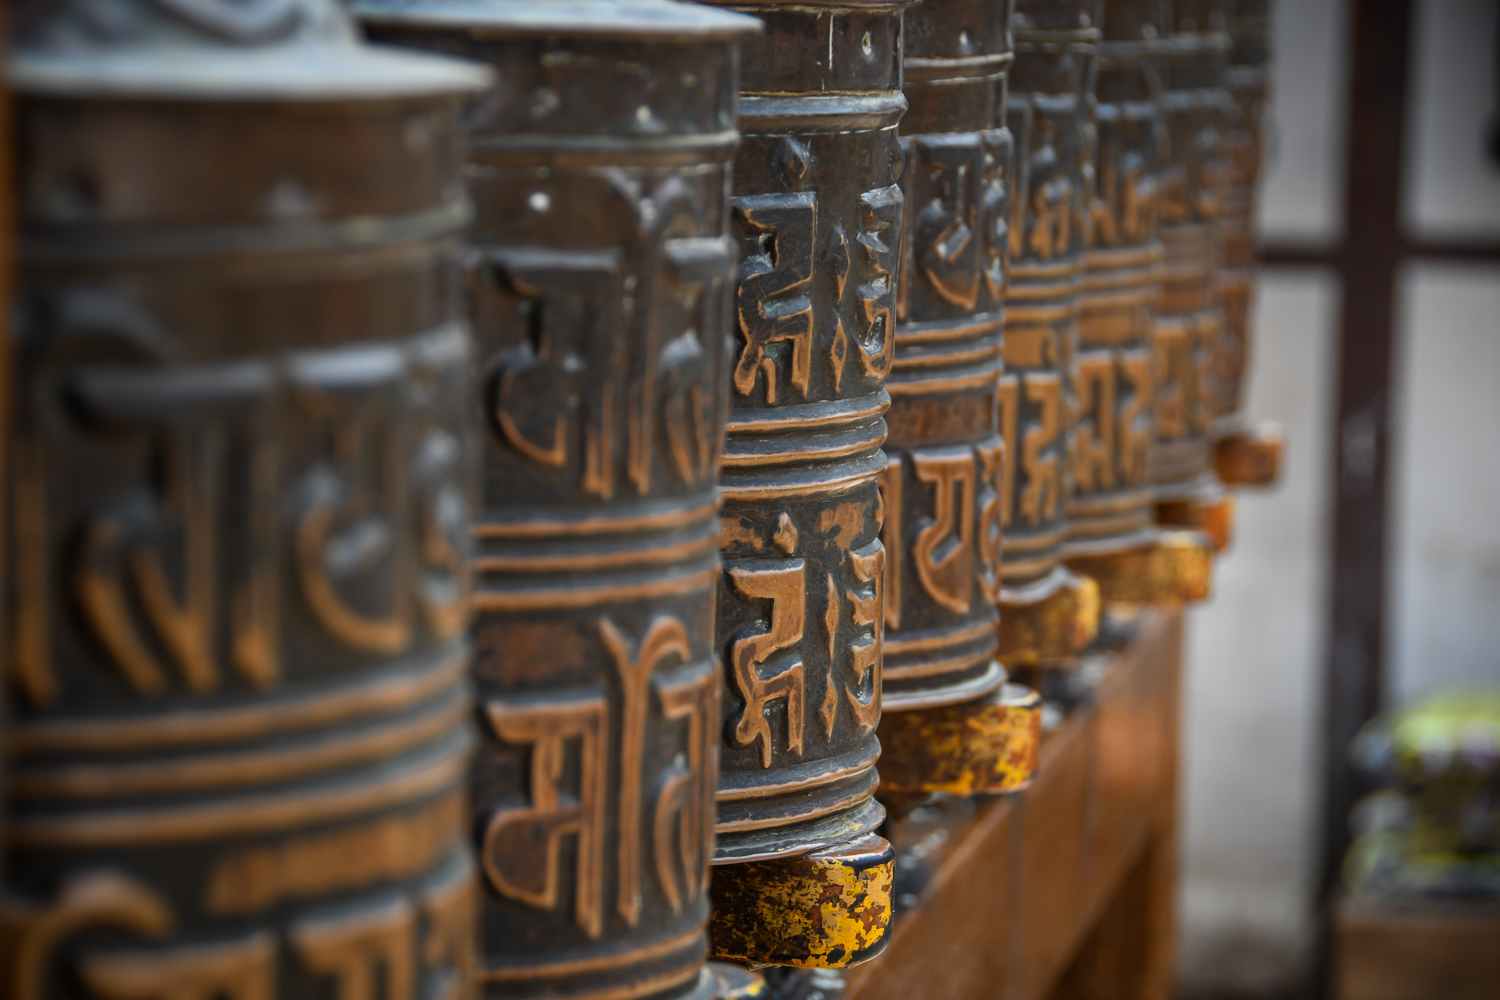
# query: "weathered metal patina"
x,y
1112,533
1245,453
1190,321
601,282
942,485
1047,614
239,510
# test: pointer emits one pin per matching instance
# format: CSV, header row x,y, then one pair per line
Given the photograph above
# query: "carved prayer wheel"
x,y
942,484
1047,614
819,216
1190,321
1244,453
601,282
1112,534
239,499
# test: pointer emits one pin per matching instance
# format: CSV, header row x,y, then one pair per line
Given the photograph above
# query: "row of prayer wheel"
x,y
480,504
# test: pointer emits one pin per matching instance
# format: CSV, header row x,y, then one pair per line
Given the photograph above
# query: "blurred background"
x,y
1371,577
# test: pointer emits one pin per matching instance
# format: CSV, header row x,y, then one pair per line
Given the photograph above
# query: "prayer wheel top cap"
x,y
970,30
1137,21
632,18
1199,16
216,50
1080,17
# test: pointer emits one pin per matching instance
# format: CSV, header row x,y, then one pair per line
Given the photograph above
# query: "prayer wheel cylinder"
x,y
239,495
1047,614
601,284
818,215
1190,322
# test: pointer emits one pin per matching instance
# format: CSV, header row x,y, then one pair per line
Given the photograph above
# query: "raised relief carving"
x,y
784,586
892,488
1134,423
945,241
244,969
681,836
1094,432
772,296
368,953
450,908
665,637
867,565
1044,473
31,935
522,846
1174,403
943,553
991,520
553,395
994,205
350,527
880,213
1043,221
192,422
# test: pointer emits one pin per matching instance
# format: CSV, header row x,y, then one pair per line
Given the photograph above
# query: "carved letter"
x,y
880,214
685,789
772,300
236,970
360,949
945,243
1094,432
1135,417
865,654
448,946
521,845
786,589
992,482
943,555
665,636
1044,476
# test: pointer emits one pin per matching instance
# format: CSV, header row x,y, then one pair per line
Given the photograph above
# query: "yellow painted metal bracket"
x,y
1172,569
984,747
1048,623
1250,457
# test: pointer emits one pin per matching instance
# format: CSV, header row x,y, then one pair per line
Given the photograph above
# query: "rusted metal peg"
x,y
1173,568
986,747
830,908
1210,510
1250,456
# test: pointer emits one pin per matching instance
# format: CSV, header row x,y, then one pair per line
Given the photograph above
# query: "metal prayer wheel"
x,y
1244,453
818,215
1190,322
1047,614
943,481
1112,534
601,284
239,500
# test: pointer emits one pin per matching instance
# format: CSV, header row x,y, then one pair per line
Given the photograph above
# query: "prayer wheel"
x,y
943,481
1047,614
1112,533
1246,453
239,496
819,216
1189,324
601,283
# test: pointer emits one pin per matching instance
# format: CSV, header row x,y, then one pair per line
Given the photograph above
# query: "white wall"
x,y
1253,668
1444,578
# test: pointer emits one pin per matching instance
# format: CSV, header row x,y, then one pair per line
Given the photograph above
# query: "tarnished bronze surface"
x,y
1190,322
1048,113
601,281
818,214
240,489
1112,534
989,746
827,909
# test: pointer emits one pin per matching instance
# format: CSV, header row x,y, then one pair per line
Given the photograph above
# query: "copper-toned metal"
x,y
601,282
1048,112
1112,534
818,214
240,510
941,488
1190,321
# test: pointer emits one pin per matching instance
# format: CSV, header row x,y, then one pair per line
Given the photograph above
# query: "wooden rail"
x,y
1063,891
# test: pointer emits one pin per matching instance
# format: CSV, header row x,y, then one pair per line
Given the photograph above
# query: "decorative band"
x,y
588,150
822,416
945,69
597,523
533,597
821,773
777,113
